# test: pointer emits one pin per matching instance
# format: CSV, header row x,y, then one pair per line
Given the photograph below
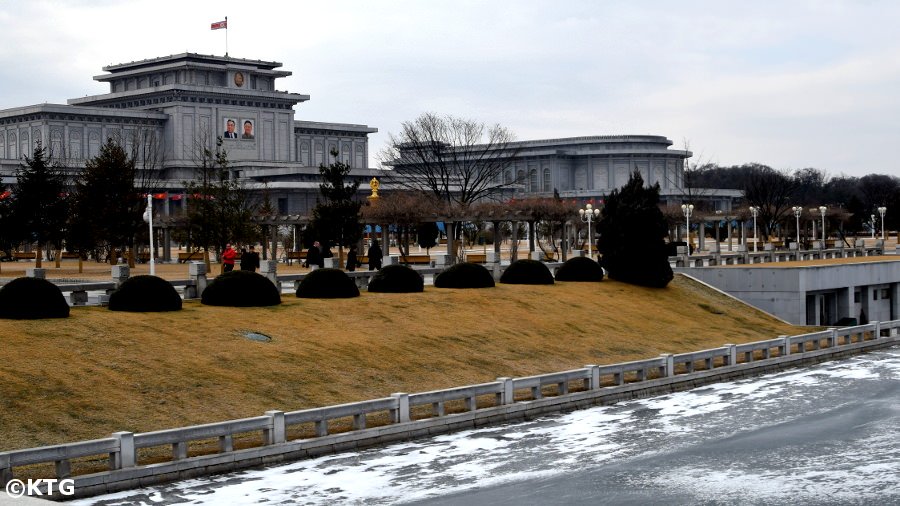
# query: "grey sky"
x,y
789,84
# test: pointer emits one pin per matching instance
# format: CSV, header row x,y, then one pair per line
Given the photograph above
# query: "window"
x,y
885,293
282,205
856,297
533,181
547,182
875,294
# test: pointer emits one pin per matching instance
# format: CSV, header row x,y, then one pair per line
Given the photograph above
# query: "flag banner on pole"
x,y
219,25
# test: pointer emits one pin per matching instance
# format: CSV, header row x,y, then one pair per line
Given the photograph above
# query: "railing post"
x,y
269,269
731,358
5,470
197,273
120,274
594,381
226,443
276,434
669,367
125,457
506,396
401,414
877,333
833,339
786,345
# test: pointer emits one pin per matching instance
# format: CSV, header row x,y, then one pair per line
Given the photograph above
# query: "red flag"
x,y
219,25
5,194
159,196
175,197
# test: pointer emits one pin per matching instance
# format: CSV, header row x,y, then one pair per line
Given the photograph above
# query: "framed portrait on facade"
x,y
247,129
230,128
239,79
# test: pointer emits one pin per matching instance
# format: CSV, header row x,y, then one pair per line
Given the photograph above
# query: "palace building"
x,y
167,110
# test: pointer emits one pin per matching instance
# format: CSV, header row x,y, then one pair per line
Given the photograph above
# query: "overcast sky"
x,y
790,84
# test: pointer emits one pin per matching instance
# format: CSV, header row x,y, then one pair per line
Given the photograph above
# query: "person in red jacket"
x,y
228,257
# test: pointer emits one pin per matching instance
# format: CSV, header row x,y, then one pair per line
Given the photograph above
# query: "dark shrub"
x,y
580,269
397,279
145,294
241,289
327,284
464,275
32,299
527,272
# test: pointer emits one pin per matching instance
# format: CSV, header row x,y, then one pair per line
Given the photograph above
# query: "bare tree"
x,y
772,191
459,161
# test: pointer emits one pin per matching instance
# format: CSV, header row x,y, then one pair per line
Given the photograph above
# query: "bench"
x,y
188,256
296,255
415,259
476,258
23,255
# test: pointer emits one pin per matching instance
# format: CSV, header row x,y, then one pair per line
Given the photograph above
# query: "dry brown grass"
x,y
100,371
824,261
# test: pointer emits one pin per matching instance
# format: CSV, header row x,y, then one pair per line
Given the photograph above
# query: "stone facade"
x,y
168,109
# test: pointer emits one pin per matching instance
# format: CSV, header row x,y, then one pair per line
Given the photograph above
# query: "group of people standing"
x,y
315,256
249,258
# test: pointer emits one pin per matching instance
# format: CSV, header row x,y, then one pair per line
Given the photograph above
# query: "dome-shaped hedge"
x,y
32,299
145,294
580,269
397,279
464,275
527,272
327,284
241,289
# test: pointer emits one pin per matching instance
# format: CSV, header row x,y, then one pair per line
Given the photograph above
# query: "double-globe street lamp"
x,y
823,209
688,209
587,215
754,210
881,211
797,212
148,217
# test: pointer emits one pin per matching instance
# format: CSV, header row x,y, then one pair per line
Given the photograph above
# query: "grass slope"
x,y
102,371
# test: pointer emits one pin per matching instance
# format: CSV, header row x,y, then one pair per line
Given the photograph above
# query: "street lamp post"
x,y
687,209
148,217
587,215
823,209
754,210
881,211
797,212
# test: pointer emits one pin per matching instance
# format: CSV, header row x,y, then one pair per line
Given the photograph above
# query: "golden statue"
x,y
374,184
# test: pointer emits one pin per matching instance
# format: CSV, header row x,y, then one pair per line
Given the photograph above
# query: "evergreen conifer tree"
x,y
632,229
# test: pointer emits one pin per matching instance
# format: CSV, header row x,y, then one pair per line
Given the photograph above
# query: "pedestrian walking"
x,y
250,259
374,256
228,257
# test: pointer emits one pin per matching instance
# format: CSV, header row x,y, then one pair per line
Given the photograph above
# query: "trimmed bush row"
x,y
464,275
32,299
397,279
241,289
327,284
527,272
145,294
580,269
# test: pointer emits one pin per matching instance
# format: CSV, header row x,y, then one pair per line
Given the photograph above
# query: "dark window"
x,y
282,205
856,297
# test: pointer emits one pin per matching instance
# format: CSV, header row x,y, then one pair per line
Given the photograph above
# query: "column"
x,y
730,234
701,235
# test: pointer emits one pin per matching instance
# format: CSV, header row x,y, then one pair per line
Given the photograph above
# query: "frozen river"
x,y
828,434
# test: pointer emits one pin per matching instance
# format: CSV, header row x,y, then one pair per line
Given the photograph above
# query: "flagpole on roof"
x,y
226,35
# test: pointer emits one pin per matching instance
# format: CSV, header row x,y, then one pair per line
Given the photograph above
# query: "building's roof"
x,y
42,110
193,58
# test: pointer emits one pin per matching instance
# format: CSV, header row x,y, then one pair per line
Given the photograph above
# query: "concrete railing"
x,y
704,259
502,400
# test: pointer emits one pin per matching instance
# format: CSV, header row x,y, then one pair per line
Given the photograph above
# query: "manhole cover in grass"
x,y
256,336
